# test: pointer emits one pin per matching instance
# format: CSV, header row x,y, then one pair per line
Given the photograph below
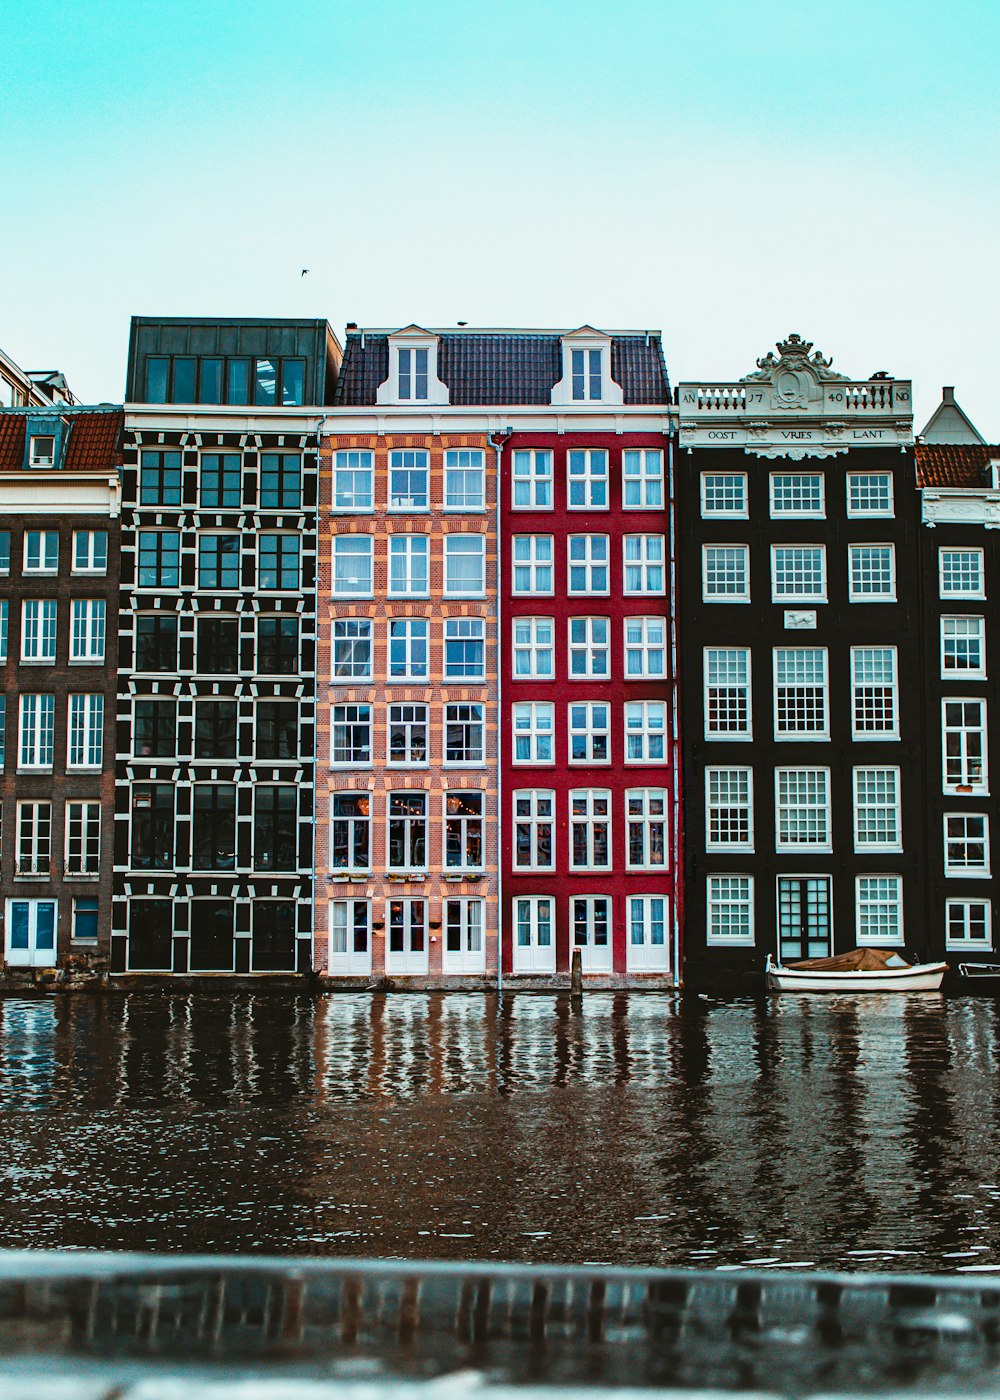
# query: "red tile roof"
x,y
954,464
94,439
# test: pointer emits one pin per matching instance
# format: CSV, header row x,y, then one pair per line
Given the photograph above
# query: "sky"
x,y
727,173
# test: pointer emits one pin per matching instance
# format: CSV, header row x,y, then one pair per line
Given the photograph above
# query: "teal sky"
x,y
727,173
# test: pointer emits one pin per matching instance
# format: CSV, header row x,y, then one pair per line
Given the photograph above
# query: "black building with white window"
x,y
217,647
802,720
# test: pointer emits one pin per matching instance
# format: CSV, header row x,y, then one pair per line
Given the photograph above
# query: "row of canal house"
x,y
436,655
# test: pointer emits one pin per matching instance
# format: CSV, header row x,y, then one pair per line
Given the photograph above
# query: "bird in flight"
x,y
303,272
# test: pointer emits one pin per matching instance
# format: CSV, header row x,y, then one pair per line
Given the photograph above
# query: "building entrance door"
x,y
646,948
31,933
406,941
350,938
534,938
591,932
804,917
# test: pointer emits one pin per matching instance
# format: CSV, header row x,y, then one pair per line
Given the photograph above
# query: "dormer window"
x,y
413,369
587,377
586,370
42,452
413,374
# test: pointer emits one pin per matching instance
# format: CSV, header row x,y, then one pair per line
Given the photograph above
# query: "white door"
x,y
646,947
590,931
534,936
350,953
406,937
31,933
464,939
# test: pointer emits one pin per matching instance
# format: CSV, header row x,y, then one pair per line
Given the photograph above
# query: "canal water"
x,y
858,1133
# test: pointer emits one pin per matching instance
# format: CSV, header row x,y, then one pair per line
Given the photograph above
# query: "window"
x,y
798,573
873,573
645,731
968,923
589,653
83,838
727,693
152,826
797,494
966,843
589,733
86,731
219,561
353,477
350,735
585,371
38,713
280,481
879,909
87,626
218,648
873,683
3,730
412,371
590,829
4,551
729,809
961,574
464,648
41,551
646,829
276,729
464,950
532,560
407,830
215,728
463,830
642,479
34,838
590,916
724,494
534,829
464,734
869,493
802,809
352,649
220,481
964,726
408,649
725,573
730,909
350,831
586,479
407,735
352,566
963,646
159,559
533,649
532,477
646,647
464,566
588,564
38,629
154,728
278,563
85,920
533,728
277,646
90,551
42,450
4,615
185,368
800,693
275,827
644,572
464,479
877,819
408,480
406,941
214,827
408,556
156,642
160,477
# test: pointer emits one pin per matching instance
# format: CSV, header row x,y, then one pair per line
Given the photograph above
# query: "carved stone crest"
x,y
795,375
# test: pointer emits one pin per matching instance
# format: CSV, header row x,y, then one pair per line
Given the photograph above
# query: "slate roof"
x,y
485,368
94,443
954,464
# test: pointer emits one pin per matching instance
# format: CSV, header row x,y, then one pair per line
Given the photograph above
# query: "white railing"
x,y
874,396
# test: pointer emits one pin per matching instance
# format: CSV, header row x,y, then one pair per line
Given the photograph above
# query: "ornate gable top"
x,y
793,357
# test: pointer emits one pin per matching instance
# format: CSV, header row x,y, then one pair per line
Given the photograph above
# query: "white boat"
x,y
890,973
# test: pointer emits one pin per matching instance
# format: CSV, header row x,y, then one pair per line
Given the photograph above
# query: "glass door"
x,y
406,940
646,949
31,933
534,937
591,931
804,917
350,938
464,941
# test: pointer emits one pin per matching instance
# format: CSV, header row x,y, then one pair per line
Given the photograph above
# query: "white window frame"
x,y
643,820
868,807
409,566
533,810
39,631
533,721
470,462
354,824
877,690
33,849
351,588
347,961
795,482
587,479
85,732
729,803
355,465
854,481
586,372
36,733
971,590
533,646
534,556
413,719
594,726
728,484
645,731
465,823
88,626
868,903
534,956
48,552
410,636
42,450
341,716
960,832
643,646
642,479
4,618
467,917
464,547
88,540
411,823
585,644
966,784
531,470
407,961
358,633
736,658
646,563
413,373
817,735
594,956
788,582
952,942
455,714
642,954
802,800
590,810
975,634
83,830
856,573
588,565
734,560
465,629
414,462
738,900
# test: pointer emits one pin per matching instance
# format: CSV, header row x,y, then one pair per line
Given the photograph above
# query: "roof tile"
x,y
954,464
94,443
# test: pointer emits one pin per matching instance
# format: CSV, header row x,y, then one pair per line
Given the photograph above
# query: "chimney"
x,y
948,394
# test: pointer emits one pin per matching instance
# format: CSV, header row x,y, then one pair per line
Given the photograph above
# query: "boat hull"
x,y
923,977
